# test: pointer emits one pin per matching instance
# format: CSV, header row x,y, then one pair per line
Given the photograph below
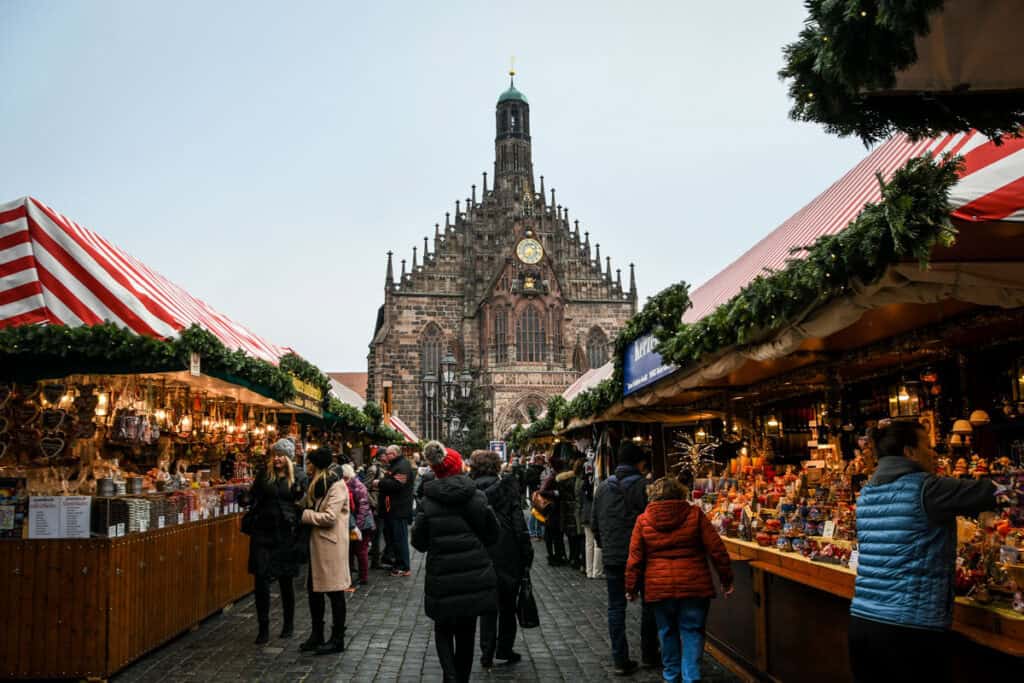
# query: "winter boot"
x,y
335,644
287,629
264,635
315,640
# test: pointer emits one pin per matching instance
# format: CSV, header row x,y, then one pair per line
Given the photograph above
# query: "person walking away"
x,y
272,541
672,545
906,535
454,527
618,502
533,482
512,556
396,488
554,541
360,498
371,479
327,514
565,483
585,505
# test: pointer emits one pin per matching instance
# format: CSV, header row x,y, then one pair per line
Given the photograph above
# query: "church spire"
x,y
389,279
513,156
632,282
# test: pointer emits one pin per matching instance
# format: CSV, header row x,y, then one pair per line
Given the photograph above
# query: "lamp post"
x,y
448,386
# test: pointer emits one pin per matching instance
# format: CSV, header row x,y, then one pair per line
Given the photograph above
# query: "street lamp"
x,y
429,385
465,383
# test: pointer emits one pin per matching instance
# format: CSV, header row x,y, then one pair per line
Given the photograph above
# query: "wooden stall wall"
x,y
87,608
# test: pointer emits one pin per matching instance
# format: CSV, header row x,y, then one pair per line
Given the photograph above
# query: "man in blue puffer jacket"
x,y
906,531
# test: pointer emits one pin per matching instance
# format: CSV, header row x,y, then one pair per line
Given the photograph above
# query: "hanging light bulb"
x,y
102,404
185,426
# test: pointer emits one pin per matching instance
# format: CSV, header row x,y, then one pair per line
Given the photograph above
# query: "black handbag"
x,y
526,605
249,521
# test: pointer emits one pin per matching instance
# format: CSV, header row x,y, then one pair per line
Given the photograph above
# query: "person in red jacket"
x,y
668,555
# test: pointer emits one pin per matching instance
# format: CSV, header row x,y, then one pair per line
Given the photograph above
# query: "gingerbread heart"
x,y
3,448
26,413
4,424
28,391
6,391
53,419
26,437
54,392
87,403
51,446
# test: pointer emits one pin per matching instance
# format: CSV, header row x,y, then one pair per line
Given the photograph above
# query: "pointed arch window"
x,y
431,349
501,335
530,336
597,348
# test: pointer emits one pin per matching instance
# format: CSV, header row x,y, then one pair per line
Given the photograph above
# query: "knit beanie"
x,y
450,466
283,447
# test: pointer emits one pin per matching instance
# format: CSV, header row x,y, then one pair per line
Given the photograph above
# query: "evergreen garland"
x,y
911,218
849,48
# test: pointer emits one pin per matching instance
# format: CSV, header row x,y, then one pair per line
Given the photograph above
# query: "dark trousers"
x,y
498,629
880,653
377,543
554,541
455,641
359,551
576,550
318,607
399,531
649,653
263,599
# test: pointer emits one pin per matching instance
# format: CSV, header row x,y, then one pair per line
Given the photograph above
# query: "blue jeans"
x,y
615,575
681,624
400,539
533,524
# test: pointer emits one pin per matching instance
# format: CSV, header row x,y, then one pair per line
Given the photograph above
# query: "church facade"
x,y
508,300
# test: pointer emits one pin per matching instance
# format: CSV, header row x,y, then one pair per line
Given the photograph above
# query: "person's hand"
x,y
729,590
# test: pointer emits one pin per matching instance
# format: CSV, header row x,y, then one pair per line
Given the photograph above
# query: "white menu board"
x,y
44,517
74,516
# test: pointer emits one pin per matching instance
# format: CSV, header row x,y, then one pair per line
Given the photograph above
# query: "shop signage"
x,y
307,397
642,365
500,448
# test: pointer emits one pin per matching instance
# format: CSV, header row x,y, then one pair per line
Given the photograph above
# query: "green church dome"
x,y
512,94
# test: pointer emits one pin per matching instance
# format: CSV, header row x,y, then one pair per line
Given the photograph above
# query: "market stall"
x,y
787,359
131,417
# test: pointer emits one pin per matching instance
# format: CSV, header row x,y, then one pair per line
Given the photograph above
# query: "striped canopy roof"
x,y
54,271
991,188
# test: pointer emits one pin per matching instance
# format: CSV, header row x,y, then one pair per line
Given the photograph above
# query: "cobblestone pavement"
x,y
389,638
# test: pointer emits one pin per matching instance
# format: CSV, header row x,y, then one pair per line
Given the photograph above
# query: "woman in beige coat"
x,y
327,513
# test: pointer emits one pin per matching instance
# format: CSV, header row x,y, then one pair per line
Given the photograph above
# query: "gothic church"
x,y
511,300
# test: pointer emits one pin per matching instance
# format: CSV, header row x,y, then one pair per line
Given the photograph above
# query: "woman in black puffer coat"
x,y
512,556
273,551
454,526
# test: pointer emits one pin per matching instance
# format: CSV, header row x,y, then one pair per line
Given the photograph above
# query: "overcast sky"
x,y
266,156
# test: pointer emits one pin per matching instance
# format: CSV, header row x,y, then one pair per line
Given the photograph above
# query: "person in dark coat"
x,y
454,527
565,483
619,500
554,541
512,556
272,544
396,493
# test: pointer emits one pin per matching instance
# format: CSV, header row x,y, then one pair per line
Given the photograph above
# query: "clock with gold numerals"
x,y
529,251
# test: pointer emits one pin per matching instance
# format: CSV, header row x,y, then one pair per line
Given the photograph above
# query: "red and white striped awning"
x,y
54,271
991,188
403,429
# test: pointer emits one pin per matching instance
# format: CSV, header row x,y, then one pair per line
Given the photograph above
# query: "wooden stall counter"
x,y
88,608
789,616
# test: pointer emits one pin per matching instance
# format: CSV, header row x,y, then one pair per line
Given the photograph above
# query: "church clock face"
x,y
529,251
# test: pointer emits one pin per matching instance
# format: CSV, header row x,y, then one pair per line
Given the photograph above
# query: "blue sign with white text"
x,y
643,365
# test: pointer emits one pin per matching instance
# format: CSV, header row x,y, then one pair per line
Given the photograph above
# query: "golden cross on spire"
x,y
512,69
